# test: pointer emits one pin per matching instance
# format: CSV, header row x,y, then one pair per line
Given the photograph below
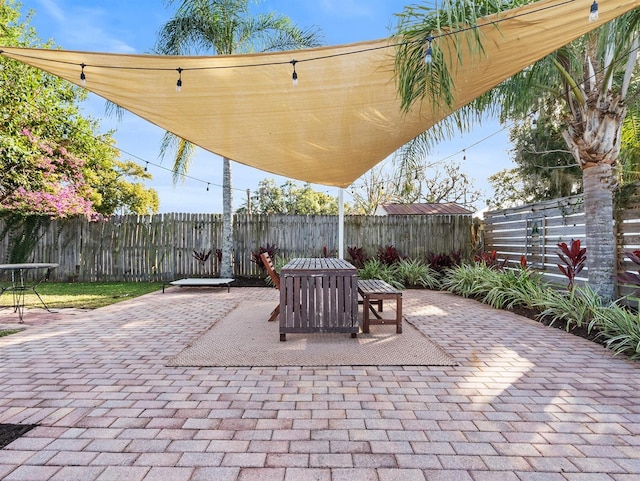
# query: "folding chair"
x,y
275,277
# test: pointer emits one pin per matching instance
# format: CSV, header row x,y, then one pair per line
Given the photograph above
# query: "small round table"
x,y
19,284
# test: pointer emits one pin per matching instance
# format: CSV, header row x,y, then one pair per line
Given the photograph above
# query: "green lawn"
x,y
83,295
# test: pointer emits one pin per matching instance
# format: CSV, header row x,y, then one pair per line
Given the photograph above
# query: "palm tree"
x,y
589,78
223,27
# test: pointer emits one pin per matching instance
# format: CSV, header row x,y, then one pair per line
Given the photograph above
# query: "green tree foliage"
x,y
547,170
52,160
629,161
290,198
545,164
545,167
508,190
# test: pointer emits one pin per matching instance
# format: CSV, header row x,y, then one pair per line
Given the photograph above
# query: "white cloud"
x,y
82,28
52,9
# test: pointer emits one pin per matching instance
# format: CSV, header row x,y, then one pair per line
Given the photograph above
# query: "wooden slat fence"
x,y
160,247
535,230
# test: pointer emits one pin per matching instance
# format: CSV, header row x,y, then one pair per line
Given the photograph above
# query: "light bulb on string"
x,y
428,56
464,155
593,11
146,166
207,186
179,82
294,76
83,77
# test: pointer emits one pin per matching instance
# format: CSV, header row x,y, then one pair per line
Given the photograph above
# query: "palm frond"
x,y
419,27
114,110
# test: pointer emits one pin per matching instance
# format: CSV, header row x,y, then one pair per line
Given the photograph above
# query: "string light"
x,y
593,16
179,82
428,57
428,53
146,166
294,76
593,12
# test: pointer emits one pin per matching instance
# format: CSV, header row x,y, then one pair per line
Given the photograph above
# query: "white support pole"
x,y
341,224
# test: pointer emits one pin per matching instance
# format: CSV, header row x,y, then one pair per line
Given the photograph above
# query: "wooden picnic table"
x,y
318,295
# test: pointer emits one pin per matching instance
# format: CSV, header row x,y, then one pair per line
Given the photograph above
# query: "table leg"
x,y
41,300
18,295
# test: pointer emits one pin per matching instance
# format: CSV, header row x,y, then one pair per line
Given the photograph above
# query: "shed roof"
x,y
449,208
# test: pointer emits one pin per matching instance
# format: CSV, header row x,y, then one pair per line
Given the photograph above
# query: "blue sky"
x,y
131,26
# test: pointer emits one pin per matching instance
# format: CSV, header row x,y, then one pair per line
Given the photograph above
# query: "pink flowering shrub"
x,y
61,191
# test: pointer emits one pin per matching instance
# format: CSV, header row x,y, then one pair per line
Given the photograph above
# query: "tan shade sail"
x,y
344,115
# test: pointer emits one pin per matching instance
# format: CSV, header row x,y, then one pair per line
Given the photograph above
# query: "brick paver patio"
x,y
525,403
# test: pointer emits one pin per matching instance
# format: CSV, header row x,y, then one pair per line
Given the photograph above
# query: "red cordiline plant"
x,y
202,257
389,255
358,255
490,259
574,258
631,277
270,249
442,262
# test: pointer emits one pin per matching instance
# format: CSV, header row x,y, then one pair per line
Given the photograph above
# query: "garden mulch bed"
x,y
576,331
11,432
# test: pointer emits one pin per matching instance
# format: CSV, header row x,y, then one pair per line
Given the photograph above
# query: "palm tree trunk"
x,y
599,226
226,266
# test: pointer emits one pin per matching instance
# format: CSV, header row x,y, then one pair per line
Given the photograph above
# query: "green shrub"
x,y
376,269
575,308
468,280
619,329
415,273
515,287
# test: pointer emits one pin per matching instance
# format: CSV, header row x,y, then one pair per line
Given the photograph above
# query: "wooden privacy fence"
x,y
160,247
534,230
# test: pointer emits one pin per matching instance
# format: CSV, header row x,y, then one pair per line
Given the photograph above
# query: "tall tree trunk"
x,y
599,226
226,266
594,140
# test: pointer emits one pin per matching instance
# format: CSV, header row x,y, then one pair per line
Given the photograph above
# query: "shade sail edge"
x,y
344,115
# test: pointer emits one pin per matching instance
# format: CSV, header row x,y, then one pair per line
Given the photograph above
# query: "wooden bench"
x,y
374,291
202,282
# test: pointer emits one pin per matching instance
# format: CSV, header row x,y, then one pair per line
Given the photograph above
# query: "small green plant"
x,y
376,269
415,273
278,264
574,257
